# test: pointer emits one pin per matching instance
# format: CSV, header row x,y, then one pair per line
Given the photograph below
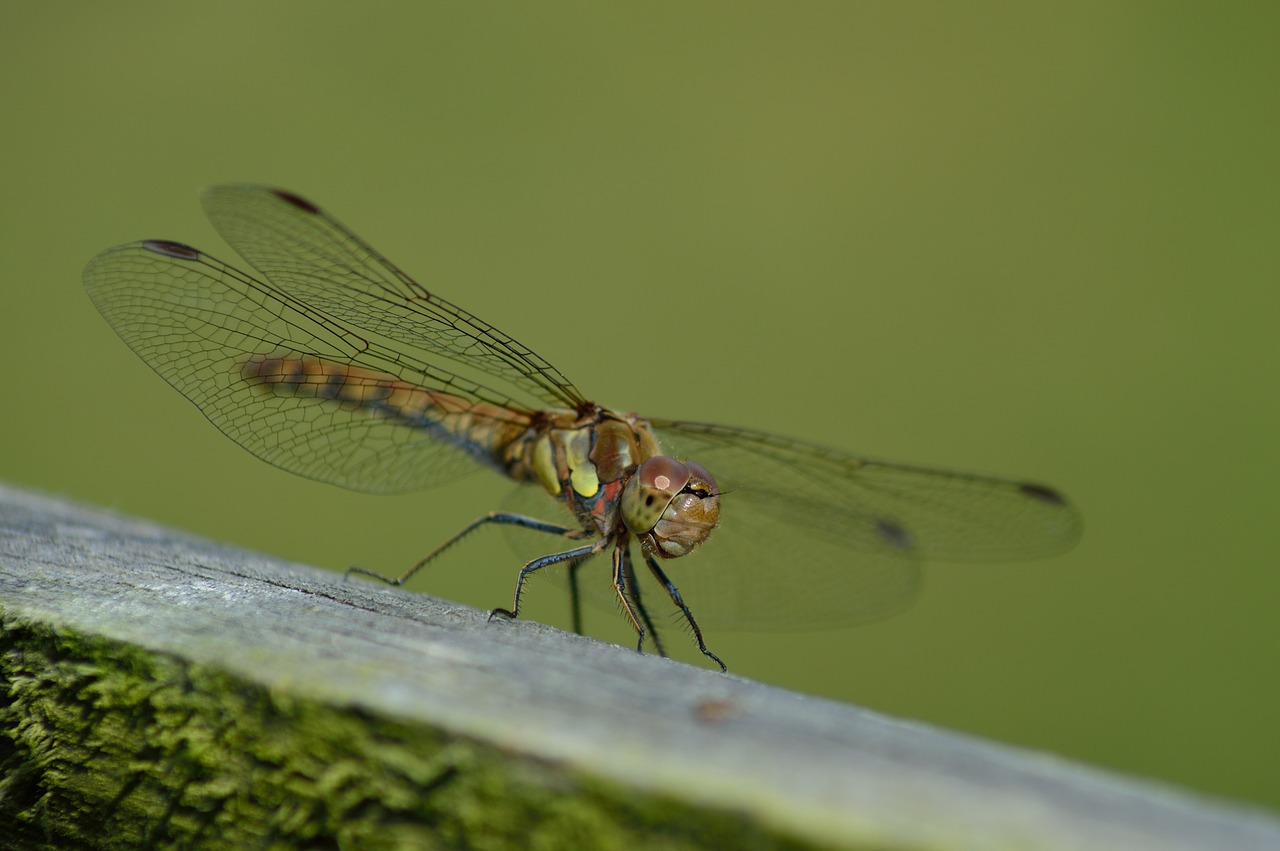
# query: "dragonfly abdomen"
x,y
487,432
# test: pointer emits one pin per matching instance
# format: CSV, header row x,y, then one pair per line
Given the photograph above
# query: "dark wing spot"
x,y
893,534
1042,493
171,249
296,200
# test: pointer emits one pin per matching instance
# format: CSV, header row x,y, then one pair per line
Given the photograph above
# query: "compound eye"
x,y
650,491
664,475
672,506
700,481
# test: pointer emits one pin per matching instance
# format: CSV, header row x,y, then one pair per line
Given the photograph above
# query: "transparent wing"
x,y
308,254
197,322
877,506
810,536
813,537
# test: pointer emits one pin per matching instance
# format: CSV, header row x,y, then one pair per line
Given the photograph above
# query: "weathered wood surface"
x,y
158,689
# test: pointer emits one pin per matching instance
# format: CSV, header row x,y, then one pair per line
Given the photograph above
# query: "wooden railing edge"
x,y
162,690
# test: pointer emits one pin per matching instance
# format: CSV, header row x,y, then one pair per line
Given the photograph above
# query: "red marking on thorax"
x,y
606,502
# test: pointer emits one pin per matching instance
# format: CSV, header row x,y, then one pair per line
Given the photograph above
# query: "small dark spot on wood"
x,y
715,710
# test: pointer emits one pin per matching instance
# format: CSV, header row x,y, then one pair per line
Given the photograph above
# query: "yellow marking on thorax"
x,y
543,463
582,473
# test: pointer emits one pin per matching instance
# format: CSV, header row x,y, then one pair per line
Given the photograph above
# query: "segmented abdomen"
x,y
487,431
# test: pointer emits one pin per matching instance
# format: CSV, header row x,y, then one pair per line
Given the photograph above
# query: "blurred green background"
x,y
1031,241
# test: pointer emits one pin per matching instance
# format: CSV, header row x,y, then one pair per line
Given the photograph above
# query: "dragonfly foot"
x,y
714,658
504,614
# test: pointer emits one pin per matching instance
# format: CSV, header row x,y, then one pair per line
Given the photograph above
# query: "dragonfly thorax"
x,y
610,471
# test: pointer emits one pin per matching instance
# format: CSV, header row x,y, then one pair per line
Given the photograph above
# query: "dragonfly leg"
x,y
622,574
688,616
500,517
634,589
546,561
575,595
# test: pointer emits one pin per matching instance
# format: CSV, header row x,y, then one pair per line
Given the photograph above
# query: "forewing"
x,y
196,321
307,253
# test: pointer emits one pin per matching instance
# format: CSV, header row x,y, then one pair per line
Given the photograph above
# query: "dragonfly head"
x,y
671,505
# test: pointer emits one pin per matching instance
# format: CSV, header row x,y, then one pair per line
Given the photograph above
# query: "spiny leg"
x,y
621,575
546,561
688,616
634,586
500,517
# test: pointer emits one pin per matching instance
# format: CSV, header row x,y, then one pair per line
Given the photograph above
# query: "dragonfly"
x,y
330,362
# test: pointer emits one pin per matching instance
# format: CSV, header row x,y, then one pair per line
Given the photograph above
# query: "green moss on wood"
x,y
107,745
